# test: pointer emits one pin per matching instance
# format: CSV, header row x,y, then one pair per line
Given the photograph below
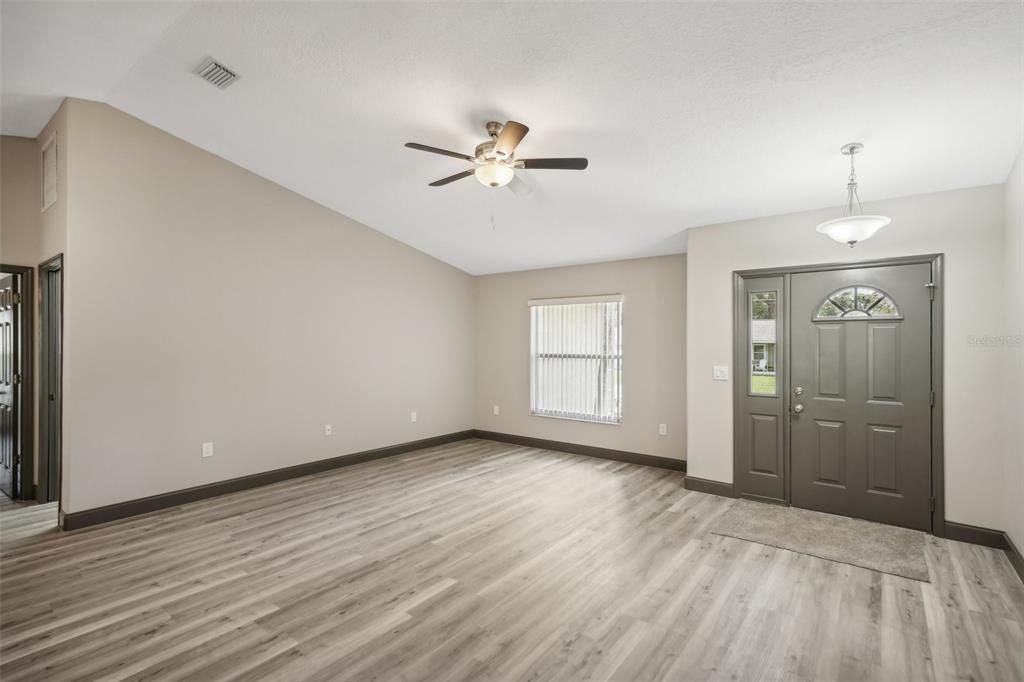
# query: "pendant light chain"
x,y
852,196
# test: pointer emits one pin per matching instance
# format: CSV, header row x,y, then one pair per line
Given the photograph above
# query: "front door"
x,y
8,415
860,373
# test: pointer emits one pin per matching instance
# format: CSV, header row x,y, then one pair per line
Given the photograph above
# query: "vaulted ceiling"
x,y
690,114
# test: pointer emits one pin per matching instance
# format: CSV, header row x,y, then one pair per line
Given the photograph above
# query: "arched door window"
x,y
857,302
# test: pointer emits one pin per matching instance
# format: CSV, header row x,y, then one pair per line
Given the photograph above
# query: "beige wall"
x,y
1013,351
965,225
27,235
654,310
212,305
19,201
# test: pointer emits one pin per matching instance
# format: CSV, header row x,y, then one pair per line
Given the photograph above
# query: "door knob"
x,y
798,408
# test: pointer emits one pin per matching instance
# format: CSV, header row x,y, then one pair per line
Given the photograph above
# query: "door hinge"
x,y
17,299
931,398
931,290
17,379
933,504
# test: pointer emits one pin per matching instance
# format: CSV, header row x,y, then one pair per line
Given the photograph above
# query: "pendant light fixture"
x,y
854,226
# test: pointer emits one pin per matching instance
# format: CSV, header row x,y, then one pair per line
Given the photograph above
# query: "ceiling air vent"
x,y
216,73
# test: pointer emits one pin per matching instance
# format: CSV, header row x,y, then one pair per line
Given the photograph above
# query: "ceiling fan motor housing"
x,y
494,129
485,152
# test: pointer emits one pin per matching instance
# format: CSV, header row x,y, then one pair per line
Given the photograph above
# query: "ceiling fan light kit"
x,y
495,160
494,174
853,226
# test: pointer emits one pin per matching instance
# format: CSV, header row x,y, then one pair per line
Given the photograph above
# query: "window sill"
x,y
576,419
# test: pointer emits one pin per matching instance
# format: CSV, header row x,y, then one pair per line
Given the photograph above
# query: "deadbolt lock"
x,y
799,390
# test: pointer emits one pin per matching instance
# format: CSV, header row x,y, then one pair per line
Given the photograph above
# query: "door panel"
x,y
831,453
883,362
765,456
884,455
8,414
830,360
861,444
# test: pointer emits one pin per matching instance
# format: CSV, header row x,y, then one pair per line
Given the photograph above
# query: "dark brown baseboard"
x,y
976,535
121,510
1016,559
703,485
588,450
989,538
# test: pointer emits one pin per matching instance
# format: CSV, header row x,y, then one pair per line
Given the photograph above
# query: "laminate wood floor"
x,y
483,561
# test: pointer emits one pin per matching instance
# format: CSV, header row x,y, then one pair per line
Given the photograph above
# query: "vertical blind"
x,y
576,358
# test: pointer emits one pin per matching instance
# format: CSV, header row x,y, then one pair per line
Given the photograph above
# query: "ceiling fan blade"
x,y
435,150
453,178
552,164
511,135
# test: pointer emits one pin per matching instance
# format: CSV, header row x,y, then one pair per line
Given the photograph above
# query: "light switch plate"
x,y
412,417
662,429
721,373
328,429
497,410
207,449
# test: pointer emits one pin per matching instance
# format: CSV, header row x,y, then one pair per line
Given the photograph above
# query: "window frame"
x,y
846,317
617,355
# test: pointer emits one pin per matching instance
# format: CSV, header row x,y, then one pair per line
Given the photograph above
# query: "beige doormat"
x,y
889,549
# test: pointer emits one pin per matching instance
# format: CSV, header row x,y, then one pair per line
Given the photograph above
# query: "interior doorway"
x,y
16,381
51,311
847,418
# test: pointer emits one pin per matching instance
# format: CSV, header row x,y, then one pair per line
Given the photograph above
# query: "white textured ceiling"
x,y
690,113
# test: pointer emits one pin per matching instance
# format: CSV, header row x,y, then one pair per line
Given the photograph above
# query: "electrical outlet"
x,y
207,449
328,429
662,429
720,373
412,417
497,410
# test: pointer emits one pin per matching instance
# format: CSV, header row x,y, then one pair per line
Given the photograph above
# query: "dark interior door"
x,y
8,414
51,280
861,393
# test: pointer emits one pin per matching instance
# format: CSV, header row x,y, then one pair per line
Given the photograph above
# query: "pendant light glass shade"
x,y
853,226
494,174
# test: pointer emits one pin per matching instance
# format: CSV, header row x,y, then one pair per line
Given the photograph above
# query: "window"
x,y
857,302
763,315
763,357
576,358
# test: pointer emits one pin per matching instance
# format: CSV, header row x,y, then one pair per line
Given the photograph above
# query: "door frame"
x,y
26,399
51,264
935,260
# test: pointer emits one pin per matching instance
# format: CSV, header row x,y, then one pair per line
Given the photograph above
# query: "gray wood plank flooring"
x,y
481,561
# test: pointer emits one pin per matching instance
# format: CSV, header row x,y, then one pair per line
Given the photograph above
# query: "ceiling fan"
x,y
495,160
